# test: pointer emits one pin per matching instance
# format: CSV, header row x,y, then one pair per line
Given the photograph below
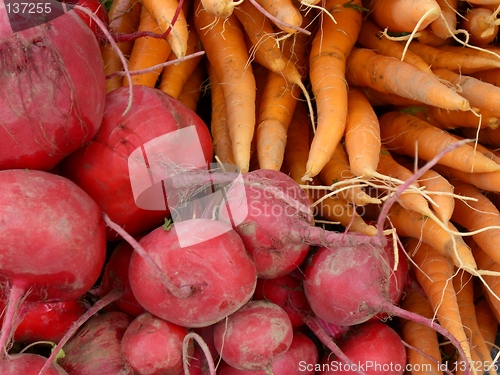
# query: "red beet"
x,y
95,349
52,92
212,278
28,364
115,277
102,167
46,321
153,346
53,240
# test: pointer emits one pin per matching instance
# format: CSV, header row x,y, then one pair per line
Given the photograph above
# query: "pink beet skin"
x,y
217,273
153,346
102,170
373,347
53,236
52,94
254,336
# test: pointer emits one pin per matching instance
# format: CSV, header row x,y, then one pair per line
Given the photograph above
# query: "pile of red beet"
x,y
124,244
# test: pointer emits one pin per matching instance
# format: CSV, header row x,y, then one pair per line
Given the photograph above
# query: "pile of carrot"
x,y
349,98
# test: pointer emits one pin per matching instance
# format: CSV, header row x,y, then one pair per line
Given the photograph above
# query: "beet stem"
x,y
395,310
392,199
204,348
94,309
320,333
9,326
181,293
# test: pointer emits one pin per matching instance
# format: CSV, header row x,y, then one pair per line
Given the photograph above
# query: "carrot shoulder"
x,y
403,16
331,46
225,48
390,75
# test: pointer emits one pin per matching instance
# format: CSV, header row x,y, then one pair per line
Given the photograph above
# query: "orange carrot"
x,y
411,136
337,209
226,51
474,215
485,136
220,9
428,37
401,16
491,288
261,35
174,77
390,75
413,224
297,144
286,15
488,324
192,89
433,182
337,170
444,119
486,181
489,75
457,61
331,46
481,25
411,200
218,125
420,336
124,17
377,98
333,208
434,273
279,99
446,24
370,36
147,52
277,106
163,12
463,284
479,94
362,135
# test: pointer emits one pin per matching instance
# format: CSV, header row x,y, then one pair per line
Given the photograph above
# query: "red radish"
x,y
46,321
52,92
300,359
254,337
115,277
95,349
285,291
60,254
266,229
153,346
211,279
28,364
349,284
102,167
373,347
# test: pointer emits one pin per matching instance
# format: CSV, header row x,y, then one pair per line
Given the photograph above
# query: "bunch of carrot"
x,y
348,98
